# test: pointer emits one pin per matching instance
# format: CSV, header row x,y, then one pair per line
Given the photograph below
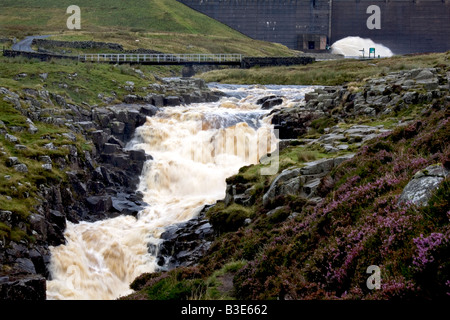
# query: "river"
x,y
194,148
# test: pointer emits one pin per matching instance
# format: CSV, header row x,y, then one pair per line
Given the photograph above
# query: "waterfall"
x,y
194,149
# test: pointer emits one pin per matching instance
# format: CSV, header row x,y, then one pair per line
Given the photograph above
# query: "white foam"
x,y
352,46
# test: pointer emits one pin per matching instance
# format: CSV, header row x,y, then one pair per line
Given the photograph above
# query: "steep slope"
x,y
164,25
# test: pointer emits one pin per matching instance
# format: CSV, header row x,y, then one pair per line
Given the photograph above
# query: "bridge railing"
x,y
160,58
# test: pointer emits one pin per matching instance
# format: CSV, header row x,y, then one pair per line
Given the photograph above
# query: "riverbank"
x,y
64,127
335,72
363,180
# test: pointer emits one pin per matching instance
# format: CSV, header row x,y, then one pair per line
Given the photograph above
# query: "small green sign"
x,y
371,50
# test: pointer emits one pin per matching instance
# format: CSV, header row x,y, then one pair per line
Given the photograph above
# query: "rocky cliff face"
x,y
98,181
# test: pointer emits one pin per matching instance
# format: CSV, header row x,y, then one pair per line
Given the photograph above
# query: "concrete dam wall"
x,y
405,26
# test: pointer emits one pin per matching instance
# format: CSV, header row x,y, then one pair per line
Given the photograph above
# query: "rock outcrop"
x,y
377,97
101,180
421,187
185,243
302,181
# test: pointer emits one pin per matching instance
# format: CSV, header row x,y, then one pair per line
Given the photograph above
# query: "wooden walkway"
x,y
163,59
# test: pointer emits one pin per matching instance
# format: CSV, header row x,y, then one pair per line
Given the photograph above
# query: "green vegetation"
x,y
162,25
293,248
19,191
77,82
335,72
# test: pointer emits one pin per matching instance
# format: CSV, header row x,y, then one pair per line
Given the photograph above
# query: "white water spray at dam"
x,y
352,46
194,148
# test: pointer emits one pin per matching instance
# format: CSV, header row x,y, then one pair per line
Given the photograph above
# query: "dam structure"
x,y
404,26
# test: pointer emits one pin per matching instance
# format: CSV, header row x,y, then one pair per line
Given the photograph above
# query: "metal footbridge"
x,y
163,59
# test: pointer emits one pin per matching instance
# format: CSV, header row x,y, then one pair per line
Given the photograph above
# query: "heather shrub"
x,y
324,252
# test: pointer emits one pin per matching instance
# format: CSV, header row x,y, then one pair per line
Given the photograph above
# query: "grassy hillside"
x,y
163,25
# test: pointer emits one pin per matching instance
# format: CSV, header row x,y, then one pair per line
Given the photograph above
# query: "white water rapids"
x,y
195,148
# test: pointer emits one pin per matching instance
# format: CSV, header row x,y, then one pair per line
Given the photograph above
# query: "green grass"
x,y
19,191
215,287
334,72
77,82
163,25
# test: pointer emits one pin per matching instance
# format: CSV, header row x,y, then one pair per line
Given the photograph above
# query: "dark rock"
x,y
120,160
132,98
125,206
157,100
264,99
38,262
99,137
138,155
99,204
32,287
114,140
117,127
39,225
57,218
12,161
109,148
185,243
172,101
269,104
149,110
25,266
6,217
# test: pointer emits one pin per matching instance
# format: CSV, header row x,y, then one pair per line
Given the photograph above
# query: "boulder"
x,y
132,98
270,103
172,101
114,140
99,137
21,168
138,155
45,159
11,138
117,127
425,74
12,161
47,166
125,206
99,204
318,167
421,187
279,185
25,265
110,148
31,127
185,243
6,217
30,287
149,110
264,99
